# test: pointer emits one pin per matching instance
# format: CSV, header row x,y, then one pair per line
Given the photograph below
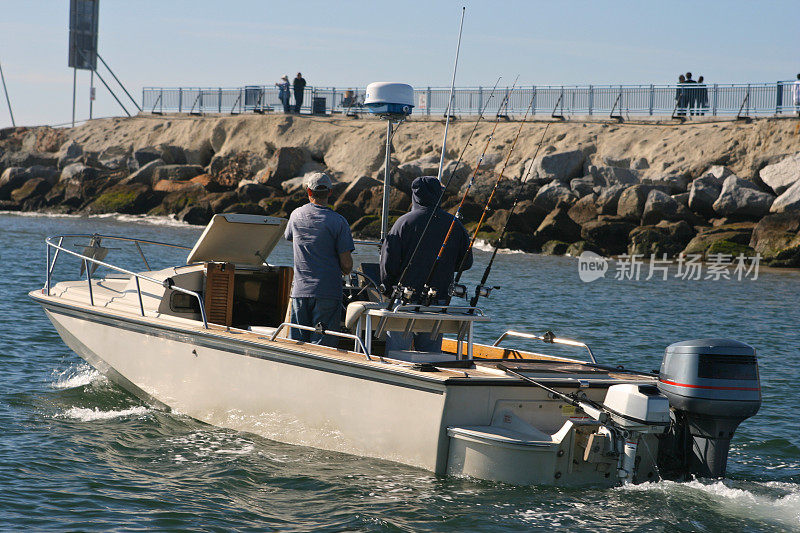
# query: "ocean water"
x,y
78,453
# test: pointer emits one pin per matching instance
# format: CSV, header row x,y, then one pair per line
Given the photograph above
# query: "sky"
x,y
343,43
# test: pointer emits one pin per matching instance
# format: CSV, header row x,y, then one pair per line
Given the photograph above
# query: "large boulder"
x,y
703,192
661,206
789,200
176,172
561,166
553,194
114,157
584,209
665,238
130,199
145,173
672,183
652,240
284,164
353,190
782,175
610,234
146,155
582,186
27,159
732,237
171,154
774,233
229,170
70,152
742,198
632,201
11,179
609,176
558,226
253,192
14,178
197,215
32,190
608,199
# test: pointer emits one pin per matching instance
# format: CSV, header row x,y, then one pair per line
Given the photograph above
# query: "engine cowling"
x,y
712,386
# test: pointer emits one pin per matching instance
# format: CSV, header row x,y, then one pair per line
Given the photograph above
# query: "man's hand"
x,y
346,262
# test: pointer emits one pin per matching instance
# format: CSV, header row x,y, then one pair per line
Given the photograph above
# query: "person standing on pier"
x,y
283,93
299,86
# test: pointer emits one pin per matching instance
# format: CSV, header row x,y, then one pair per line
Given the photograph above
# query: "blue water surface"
x,y
78,453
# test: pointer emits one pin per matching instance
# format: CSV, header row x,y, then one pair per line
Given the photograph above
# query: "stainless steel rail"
x,y
321,331
547,337
167,283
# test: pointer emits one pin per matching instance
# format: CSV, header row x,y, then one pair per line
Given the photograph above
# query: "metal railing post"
x,y
47,270
180,99
428,102
161,100
652,98
219,100
714,99
480,97
591,99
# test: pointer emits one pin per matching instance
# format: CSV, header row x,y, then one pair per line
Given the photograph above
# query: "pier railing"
x,y
560,101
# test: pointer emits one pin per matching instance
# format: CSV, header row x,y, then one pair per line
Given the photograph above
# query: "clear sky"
x,y
350,43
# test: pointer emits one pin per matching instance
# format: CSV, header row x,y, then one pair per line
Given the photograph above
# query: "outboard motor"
x,y
712,386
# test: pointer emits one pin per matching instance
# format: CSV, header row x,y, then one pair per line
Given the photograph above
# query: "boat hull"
x,y
281,391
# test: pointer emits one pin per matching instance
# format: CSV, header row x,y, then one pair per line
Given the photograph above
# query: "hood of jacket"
x,y
425,191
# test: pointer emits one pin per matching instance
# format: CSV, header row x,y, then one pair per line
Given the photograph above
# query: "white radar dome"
x,y
384,97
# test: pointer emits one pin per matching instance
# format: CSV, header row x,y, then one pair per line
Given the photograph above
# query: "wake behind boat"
x,y
209,339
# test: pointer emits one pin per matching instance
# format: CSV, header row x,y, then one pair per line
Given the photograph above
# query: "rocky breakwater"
x,y
614,189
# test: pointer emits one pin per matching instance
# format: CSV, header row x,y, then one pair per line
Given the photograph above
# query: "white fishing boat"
x,y
209,338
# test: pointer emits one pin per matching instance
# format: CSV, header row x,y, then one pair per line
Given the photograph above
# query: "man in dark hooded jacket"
x,y
399,246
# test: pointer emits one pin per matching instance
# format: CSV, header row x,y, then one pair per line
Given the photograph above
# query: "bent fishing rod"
x,y
399,291
428,292
481,289
460,290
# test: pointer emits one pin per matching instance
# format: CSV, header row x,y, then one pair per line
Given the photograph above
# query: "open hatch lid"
x,y
238,239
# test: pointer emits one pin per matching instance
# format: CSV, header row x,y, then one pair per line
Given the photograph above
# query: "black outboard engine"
x,y
712,386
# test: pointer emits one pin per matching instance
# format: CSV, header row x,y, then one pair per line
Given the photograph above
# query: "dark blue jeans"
x,y
313,311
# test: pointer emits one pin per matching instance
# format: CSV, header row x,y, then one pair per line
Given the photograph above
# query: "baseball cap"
x,y
319,181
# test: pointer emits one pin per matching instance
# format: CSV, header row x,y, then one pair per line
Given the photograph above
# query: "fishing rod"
x,y
428,292
399,291
481,289
460,290
450,100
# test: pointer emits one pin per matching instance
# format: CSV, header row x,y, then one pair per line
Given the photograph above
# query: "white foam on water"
x,y
79,376
169,220
486,246
784,508
89,415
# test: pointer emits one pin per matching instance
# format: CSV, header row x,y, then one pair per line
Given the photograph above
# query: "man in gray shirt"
x,y
322,246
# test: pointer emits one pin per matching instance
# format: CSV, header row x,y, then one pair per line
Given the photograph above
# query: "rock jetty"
x,y
664,189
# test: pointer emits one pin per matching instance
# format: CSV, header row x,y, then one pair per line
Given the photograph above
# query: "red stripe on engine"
x,y
707,386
